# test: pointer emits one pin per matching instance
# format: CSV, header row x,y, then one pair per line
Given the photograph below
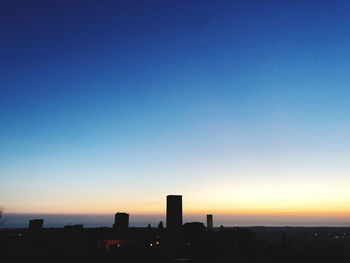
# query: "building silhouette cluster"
x,y
174,242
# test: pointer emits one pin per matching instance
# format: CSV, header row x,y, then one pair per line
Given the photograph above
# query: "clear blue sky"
x,y
111,105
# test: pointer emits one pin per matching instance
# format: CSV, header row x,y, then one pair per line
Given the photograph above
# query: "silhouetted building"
x,y
173,212
79,226
36,224
160,226
210,222
121,221
196,227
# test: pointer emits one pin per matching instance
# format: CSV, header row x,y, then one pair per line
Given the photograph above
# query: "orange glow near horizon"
x,y
308,209
321,199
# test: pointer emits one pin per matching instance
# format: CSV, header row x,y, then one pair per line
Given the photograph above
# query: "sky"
x,y
240,106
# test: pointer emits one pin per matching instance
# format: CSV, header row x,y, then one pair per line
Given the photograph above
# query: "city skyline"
x,y
173,219
241,107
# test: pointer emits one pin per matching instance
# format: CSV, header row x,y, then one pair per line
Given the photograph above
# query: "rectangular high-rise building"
x,y
121,221
210,222
173,212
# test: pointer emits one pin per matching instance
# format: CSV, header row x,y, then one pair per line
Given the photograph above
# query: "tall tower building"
x,y
121,221
173,212
210,222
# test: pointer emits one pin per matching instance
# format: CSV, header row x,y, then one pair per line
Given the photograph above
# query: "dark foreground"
x,y
192,243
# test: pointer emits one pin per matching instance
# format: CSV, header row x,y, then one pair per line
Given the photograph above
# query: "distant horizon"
x,y
17,220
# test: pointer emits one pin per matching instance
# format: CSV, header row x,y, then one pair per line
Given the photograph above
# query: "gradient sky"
x,y
243,107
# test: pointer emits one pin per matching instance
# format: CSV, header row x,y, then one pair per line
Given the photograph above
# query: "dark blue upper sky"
x,y
170,92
